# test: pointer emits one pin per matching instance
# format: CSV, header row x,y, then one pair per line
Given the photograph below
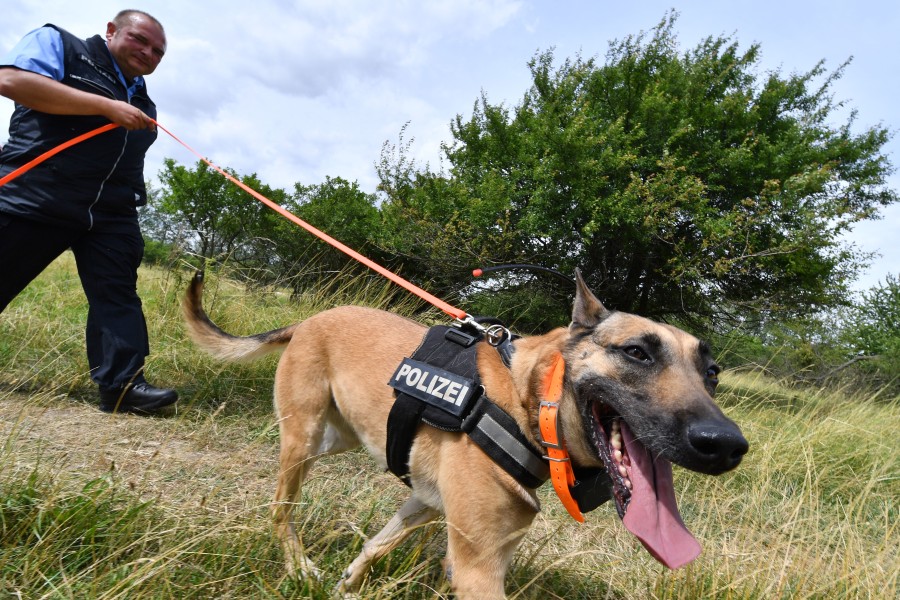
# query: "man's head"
x,y
137,41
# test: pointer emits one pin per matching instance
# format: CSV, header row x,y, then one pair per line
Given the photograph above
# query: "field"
x,y
101,506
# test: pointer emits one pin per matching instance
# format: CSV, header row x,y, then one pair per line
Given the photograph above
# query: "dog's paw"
x,y
347,587
303,568
339,594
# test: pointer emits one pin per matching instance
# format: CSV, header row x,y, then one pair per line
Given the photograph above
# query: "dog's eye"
x,y
712,375
637,353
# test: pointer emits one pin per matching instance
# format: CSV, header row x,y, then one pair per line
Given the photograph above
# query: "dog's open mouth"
x,y
643,491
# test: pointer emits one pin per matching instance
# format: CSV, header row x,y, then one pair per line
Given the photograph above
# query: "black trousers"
x,y
107,257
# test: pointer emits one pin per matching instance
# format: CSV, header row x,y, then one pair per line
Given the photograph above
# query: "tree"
x,y
857,345
684,186
162,234
219,218
874,331
339,209
433,230
209,216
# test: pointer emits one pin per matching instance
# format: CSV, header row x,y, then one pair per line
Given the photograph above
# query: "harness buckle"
x,y
559,460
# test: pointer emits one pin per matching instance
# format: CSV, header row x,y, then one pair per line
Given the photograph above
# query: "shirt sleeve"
x,y
40,51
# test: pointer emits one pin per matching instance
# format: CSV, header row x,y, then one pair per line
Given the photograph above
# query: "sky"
x,y
297,91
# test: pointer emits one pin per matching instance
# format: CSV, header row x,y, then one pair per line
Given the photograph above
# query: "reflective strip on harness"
x,y
498,434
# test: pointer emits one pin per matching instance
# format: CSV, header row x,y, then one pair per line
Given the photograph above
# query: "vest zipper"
x,y
112,95
106,91
103,183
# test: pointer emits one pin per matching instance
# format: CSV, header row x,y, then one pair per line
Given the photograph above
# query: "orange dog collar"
x,y
562,475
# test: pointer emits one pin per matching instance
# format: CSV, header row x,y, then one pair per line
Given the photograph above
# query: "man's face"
x,y
137,46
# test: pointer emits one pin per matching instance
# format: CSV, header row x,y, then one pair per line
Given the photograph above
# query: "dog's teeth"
x,y
623,471
615,440
628,483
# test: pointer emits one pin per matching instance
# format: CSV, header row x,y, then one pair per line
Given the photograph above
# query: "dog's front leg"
x,y
412,514
476,565
484,528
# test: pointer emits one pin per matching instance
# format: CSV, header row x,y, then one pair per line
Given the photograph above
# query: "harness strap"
x,y
402,424
489,426
497,433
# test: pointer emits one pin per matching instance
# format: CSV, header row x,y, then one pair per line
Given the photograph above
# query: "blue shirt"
x,y
41,52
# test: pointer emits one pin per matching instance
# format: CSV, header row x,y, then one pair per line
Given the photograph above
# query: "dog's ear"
x,y
587,310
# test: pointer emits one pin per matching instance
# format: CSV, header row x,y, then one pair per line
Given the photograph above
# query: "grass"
x,y
99,506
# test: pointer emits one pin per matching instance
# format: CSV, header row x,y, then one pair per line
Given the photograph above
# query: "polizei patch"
x,y
439,388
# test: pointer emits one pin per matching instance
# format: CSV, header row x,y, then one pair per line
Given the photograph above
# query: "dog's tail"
x,y
223,345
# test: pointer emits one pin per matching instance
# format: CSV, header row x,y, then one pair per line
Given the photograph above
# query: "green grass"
x,y
97,506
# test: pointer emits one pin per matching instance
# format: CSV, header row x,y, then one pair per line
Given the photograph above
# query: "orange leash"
x,y
54,151
434,300
562,475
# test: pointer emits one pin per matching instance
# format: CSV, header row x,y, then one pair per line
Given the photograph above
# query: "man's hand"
x,y
128,116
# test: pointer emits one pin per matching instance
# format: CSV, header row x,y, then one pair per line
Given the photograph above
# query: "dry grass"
x,y
101,506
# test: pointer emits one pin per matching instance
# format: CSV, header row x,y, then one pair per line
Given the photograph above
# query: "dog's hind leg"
x,y
412,514
295,461
310,426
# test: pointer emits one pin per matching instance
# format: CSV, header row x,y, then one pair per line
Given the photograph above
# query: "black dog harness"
x,y
439,386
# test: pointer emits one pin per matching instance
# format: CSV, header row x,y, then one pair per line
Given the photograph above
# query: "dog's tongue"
x,y
652,514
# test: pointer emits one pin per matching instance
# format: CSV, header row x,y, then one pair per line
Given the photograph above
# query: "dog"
x,y
636,396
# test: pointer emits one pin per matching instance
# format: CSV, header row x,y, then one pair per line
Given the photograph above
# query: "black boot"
x,y
140,398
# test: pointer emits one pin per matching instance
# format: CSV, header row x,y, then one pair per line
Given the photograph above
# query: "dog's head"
x,y
641,397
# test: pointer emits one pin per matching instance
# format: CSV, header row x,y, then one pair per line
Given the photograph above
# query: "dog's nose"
x,y
720,446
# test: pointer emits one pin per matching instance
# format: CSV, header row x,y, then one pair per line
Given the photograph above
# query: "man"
x,y
86,197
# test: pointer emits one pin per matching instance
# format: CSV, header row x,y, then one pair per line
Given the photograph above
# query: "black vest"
x,y
102,174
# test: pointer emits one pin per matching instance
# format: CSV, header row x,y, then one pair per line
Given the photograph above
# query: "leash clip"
x,y
495,333
469,321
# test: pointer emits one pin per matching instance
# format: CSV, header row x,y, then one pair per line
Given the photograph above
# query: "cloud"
x,y
313,48
313,89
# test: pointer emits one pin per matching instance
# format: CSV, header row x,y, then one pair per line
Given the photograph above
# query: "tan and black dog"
x,y
637,396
